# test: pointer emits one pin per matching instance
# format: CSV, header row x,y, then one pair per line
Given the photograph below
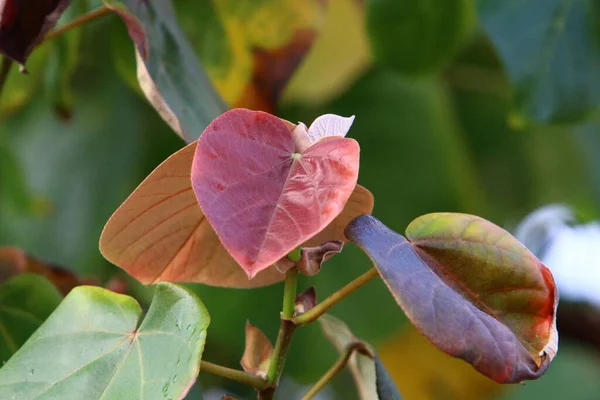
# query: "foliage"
x,y
99,332
252,199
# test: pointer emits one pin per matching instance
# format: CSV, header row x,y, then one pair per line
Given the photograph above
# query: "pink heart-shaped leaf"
x,y
261,196
160,233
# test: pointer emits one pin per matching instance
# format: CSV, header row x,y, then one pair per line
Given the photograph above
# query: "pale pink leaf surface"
x,y
262,198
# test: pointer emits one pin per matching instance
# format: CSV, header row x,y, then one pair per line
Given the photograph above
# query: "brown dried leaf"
x,y
258,351
306,300
313,257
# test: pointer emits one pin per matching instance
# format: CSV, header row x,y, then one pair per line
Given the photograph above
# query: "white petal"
x,y
569,251
329,125
539,227
572,256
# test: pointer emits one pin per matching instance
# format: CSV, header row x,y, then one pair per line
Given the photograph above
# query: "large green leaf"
x,y
95,346
551,51
418,36
25,302
168,70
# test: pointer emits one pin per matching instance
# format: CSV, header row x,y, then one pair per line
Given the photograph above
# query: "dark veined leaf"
x,y
168,70
23,24
551,51
416,37
471,288
106,352
25,302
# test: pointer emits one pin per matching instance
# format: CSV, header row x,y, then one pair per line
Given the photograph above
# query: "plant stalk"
x,y
324,306
78,21
334,370
289,293
284,336
234,374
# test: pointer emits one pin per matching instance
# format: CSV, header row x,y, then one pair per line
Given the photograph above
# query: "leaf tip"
x,y
361,225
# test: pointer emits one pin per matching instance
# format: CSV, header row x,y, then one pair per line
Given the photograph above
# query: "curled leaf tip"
x,y
313,257
306,300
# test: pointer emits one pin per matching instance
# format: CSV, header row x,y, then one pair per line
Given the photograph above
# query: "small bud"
x,y
306,300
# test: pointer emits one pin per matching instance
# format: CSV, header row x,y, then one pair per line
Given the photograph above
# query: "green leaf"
x,y
551,51
25,302
107,352
417,37
168,70
250,48
471,288
371,377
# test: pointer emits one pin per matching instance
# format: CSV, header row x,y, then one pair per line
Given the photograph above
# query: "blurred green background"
x,y
482,107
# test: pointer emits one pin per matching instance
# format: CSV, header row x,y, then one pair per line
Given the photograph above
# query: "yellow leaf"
x,y
422,372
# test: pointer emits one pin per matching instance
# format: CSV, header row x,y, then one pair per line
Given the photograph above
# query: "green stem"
x,y
78,21
234,374
334,370
289,293
324,306
284,336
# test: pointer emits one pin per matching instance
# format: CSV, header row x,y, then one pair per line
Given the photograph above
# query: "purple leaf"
x,y
471,288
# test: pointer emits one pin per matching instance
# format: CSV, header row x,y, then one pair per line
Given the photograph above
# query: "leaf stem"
x,y
284,336
234,374
78,21
324,306
334,370
289,293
